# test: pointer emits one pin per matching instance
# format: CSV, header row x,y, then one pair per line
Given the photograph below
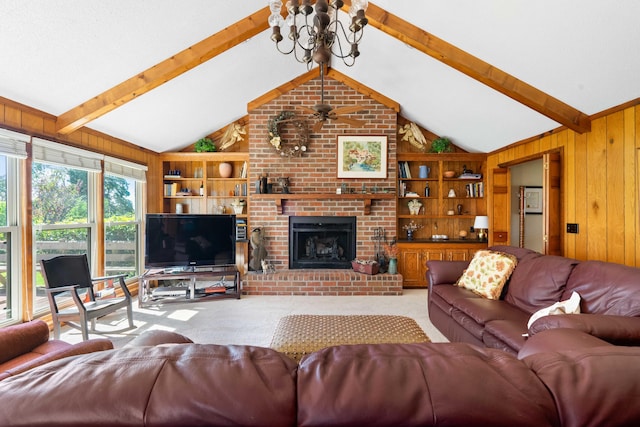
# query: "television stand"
x,y
226,284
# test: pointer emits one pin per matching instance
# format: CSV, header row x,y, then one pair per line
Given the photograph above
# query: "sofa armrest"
x,y
619,330
445,272
84,347
19,339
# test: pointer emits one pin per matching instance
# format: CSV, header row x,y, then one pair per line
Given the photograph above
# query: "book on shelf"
x,y
170,189
243,171
475,190
402,188
403,170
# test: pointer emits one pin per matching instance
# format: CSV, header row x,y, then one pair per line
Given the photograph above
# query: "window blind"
x,y
59,154
13,144
125,169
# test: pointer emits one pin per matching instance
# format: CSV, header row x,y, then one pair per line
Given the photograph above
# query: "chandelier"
x,y
320,36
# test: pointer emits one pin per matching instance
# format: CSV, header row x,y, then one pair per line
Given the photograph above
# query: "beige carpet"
x,y
252,320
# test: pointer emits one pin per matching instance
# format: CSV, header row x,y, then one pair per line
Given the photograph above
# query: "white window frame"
x,y
13,146
56,154
125,169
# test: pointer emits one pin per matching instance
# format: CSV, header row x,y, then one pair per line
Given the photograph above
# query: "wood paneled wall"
x,y
600,184
27,120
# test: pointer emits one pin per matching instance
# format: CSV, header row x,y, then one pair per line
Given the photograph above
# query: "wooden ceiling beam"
x,y
163,72
477,69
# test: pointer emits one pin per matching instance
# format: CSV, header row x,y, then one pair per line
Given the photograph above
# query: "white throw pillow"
x,y
569,306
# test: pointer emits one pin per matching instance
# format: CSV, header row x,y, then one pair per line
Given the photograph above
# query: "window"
x,y
12,150
123,207
64,184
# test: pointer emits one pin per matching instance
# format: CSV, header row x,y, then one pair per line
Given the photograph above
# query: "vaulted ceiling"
x,y
162,74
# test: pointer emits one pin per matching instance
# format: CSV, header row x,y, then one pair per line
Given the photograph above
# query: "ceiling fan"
x,y
324,112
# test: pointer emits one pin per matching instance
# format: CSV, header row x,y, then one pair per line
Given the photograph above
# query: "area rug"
x,y
297,335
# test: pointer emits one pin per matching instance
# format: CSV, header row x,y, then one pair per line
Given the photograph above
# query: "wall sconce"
x,y
481,225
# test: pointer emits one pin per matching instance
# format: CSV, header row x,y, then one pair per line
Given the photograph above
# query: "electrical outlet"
x,y
572,228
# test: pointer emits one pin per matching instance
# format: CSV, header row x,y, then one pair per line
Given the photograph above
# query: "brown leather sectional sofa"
x,y
610,301
568,372
427,384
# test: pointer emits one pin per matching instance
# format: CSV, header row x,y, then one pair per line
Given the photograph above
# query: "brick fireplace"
x,y
314,177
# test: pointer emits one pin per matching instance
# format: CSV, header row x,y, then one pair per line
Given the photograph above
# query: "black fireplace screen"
x,y
321,241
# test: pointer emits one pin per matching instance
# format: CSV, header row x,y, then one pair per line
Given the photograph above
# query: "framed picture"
x,y
533,200
362,156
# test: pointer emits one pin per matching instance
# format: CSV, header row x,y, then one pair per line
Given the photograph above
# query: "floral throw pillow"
x,y
487,273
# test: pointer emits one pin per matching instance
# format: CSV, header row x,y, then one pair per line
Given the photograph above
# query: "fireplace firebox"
x,y
321,242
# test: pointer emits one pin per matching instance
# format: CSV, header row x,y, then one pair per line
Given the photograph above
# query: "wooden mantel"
x,y
366,198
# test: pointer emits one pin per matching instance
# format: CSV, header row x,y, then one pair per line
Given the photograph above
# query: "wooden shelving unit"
x,y
447,209
218,193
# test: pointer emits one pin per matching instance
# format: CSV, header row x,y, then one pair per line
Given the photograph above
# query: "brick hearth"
x,y
321,282
316,173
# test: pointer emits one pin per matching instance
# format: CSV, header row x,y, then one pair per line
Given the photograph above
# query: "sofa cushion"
x,y
23,338
606,288
450,294
592,387
419,385
472,327
487,273
539,281
180,385
506,335
559,339
519,253
484,310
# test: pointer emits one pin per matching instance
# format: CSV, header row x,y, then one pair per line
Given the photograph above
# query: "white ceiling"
x,y
57,54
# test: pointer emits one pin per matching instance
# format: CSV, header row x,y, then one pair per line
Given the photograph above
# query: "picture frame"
x,y
362,156
533,200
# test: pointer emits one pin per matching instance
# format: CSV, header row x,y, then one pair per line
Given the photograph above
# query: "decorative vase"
x,y
225,169
393,266
409,234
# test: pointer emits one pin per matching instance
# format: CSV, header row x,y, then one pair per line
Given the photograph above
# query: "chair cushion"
x,y
487,273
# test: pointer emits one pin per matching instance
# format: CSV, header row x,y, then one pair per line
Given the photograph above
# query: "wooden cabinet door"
x,y
457,255
409,266
430,255
433,255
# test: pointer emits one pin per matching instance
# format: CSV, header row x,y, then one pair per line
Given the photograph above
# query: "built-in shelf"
x,y
366,198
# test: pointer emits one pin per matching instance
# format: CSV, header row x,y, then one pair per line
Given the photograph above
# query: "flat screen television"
x,y
189,240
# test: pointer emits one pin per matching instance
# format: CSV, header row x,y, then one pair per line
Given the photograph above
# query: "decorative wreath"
x,y
300,145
